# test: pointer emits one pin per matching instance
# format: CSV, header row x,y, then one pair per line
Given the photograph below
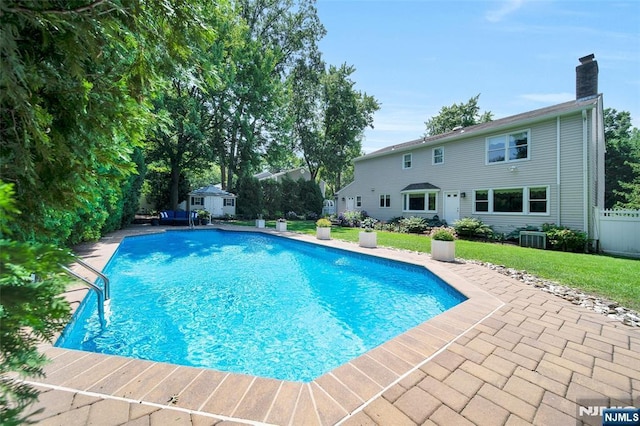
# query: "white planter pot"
x,y
444,251
323,233
259,223
368,239
281,226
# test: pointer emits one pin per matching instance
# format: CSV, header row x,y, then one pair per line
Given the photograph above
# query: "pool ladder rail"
x,y
103,294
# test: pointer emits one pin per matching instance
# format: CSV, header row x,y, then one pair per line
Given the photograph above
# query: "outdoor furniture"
x,y
177,217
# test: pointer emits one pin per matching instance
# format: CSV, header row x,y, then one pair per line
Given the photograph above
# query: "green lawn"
x,y
615,278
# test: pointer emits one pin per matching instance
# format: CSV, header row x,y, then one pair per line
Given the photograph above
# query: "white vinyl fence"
x,y
619,232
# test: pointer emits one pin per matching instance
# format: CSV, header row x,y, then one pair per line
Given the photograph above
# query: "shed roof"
x,y
212,191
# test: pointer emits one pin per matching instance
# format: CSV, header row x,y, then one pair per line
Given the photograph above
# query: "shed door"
x,y
216,208
451,206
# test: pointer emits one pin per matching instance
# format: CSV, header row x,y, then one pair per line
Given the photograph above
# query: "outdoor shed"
x,y
216,201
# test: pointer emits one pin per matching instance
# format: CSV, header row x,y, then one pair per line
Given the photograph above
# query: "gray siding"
x,y
571,176
465,170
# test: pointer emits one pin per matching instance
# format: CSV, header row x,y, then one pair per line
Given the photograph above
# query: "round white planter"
x,y
368,239
281,226
259,223
323,233
444,251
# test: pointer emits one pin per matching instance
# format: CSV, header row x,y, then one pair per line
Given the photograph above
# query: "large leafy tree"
x,y
74,78
622,152
347,112
247,108
178,141
329,117
462,114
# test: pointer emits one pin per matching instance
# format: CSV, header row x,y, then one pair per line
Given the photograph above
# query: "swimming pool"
x,y
253,303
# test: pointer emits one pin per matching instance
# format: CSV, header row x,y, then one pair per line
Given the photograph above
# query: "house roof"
x,y
491,126
418,186
211,190
269,175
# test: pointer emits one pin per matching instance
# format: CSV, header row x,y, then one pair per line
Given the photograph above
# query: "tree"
x,y
257,56
347,113
630,190
329,117
179,139
622,151
31,310
74,81
457,115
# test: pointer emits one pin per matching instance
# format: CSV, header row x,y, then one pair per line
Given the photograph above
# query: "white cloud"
x,y
548,98
507,7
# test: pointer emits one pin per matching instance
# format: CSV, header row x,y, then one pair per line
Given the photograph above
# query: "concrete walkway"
x,y
517,355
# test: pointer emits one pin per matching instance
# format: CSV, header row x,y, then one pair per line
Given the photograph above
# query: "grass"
x,y
614,278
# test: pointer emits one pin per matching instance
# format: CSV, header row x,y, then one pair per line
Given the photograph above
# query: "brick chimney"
x,y
587,77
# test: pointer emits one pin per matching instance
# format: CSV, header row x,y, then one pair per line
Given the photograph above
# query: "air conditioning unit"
x,y
534,239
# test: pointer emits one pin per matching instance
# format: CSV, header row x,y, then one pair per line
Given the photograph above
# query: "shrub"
x,y
413,225
565,239
350,218
443,233
368,223
323,223
470,227
292,215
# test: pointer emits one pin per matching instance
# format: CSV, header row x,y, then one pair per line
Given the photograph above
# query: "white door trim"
x,y
451,206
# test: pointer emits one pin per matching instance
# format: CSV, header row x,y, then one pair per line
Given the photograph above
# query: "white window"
x,y
229,202
197,201
385,200
420,202
438,155
406,161
508,147
358,201
527,200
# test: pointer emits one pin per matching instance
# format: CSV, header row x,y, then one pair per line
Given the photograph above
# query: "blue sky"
x,y
417,56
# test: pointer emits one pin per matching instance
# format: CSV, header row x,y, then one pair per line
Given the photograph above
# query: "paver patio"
x,y
515,355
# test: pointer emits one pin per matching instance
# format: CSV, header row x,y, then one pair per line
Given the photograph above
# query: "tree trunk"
x,y
175,185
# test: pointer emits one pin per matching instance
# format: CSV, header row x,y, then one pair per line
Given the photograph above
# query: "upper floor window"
x,y
509,147
438,155
197,201
385,200
406,161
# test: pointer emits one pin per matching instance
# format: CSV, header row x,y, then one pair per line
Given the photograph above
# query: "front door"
x,y
451,206
351,203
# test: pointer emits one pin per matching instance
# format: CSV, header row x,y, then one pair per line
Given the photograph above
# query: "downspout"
x,y
585,176
558,195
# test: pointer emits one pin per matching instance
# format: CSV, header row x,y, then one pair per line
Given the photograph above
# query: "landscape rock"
x,y
596,304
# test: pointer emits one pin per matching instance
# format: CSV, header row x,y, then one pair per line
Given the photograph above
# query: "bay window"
x,y
420,202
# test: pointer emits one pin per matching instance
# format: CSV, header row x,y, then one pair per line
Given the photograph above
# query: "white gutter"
x,y
585,177
558,195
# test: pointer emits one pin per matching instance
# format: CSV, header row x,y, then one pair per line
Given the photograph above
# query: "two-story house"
x,y
542,166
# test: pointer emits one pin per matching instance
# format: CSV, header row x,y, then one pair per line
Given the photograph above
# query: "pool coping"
x,y
330,399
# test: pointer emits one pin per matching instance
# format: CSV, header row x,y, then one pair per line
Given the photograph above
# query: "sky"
x,y
418,56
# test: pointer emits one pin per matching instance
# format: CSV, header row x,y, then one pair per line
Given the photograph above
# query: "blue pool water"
x,y
253,303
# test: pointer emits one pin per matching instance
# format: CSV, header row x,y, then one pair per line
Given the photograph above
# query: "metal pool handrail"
x,y
102,294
